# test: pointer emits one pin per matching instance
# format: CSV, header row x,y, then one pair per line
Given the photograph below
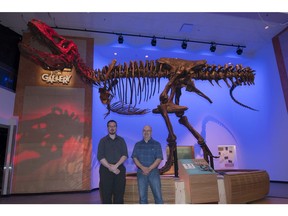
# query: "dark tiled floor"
x,y
278,195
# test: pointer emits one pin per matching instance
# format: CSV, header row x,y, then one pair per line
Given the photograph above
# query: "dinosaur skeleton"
x,y
138,81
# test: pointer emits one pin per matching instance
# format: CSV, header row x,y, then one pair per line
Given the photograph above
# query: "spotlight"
x,y
120,39
153,41
239,51
184,44
213,47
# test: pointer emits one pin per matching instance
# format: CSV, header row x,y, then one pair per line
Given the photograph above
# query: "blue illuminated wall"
x,y
261,138
264,137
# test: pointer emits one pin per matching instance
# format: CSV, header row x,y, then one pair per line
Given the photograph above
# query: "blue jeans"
x,y
152,180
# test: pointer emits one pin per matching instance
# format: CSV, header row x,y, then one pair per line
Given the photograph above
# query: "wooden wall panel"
x,y
53,148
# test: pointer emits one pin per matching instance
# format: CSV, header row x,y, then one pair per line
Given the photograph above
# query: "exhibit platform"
x,y
219,187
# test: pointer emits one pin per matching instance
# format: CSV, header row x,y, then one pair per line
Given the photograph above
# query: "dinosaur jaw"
x,y
62,50
46,35
46,60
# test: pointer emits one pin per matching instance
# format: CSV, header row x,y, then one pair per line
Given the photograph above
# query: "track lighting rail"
x,y
152,37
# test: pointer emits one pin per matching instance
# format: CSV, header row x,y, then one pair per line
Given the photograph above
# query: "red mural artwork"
x,y
51,142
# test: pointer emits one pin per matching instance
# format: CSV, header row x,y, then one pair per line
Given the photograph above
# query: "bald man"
x,y
147,155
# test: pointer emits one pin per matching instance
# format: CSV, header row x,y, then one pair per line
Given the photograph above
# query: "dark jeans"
x,y
112,186
153,180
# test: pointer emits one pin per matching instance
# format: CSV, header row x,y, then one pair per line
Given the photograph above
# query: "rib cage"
x,y
133,84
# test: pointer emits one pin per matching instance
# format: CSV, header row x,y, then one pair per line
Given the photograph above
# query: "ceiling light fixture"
x,y
120,39
153,41
184,44
239,50
213,47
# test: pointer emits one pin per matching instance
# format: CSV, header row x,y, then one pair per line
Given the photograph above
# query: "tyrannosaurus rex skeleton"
x,y
138,81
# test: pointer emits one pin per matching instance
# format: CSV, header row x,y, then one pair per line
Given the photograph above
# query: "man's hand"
x,y
117,171
145,170
114,169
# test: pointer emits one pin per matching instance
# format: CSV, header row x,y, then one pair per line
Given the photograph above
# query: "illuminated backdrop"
x,y
258,136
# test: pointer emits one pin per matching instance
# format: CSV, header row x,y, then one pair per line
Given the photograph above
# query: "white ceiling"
x,y
245,29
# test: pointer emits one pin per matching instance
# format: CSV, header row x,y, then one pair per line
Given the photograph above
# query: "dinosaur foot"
x,y
171,108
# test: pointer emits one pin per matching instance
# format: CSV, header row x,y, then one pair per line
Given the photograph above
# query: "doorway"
x,y
3,147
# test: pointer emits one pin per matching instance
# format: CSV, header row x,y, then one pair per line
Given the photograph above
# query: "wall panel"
x,y
53,149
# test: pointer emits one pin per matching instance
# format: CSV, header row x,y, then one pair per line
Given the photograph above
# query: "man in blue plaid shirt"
x,y
147,155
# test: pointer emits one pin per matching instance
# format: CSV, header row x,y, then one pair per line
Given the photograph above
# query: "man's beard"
x,y
112,132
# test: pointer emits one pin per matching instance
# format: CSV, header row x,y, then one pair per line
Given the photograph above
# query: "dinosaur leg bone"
x,y
171,140
164,99
208,156
167,88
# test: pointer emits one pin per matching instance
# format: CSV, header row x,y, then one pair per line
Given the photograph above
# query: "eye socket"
x,y
65,45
